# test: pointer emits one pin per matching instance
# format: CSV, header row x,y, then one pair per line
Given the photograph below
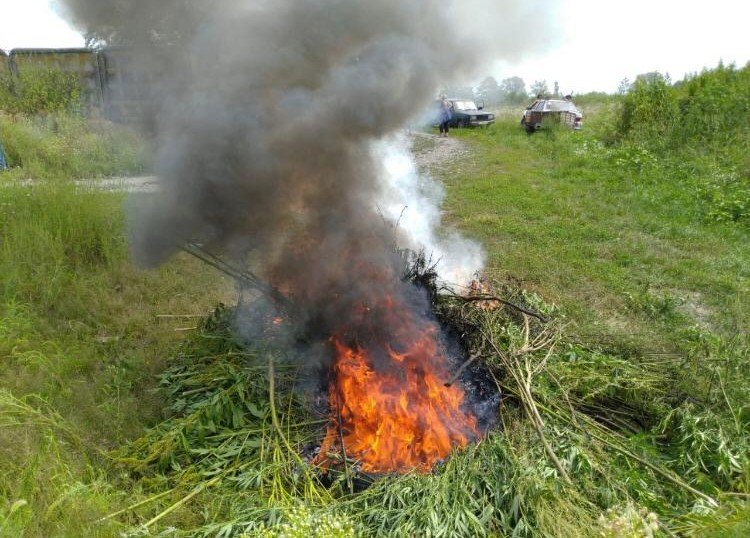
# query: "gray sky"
x,y
598,43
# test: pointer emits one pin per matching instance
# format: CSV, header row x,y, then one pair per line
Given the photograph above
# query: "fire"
x,y
391,407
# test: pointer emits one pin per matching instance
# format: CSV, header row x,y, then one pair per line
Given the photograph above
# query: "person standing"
x,y
446,115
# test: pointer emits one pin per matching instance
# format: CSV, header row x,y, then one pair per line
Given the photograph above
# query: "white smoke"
x,y
412,200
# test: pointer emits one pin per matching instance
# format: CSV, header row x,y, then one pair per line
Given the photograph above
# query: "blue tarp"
x,y
3,163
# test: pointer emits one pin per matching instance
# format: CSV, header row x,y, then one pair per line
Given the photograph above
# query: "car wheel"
x,y
464,123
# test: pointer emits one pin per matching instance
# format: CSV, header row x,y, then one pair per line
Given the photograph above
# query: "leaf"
x,y
238,418
515,507
255,410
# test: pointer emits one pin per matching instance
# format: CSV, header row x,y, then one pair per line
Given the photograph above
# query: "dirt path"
x,y
430,151
124,184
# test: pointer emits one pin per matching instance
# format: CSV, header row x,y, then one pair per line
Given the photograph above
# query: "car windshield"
x,y
464,105
561,106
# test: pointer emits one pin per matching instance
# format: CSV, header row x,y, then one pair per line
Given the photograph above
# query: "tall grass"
x,y
52,236
70,146
80,346
48,134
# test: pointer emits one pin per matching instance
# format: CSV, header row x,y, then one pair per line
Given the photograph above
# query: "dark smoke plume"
x,y
266,116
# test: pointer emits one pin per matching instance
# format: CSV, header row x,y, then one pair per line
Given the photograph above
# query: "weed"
x,y
628,521
80,346
649,110
655,306
40,90
68,146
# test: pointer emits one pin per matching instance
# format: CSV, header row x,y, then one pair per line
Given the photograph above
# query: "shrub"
x,y
712,108
40,90
649,110
714,105
697,131
727,196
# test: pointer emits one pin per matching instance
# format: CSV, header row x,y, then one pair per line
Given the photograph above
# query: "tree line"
x,y
511,91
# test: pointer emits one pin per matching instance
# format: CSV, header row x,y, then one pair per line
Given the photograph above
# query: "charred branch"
x,y
483,298
244,277
461,369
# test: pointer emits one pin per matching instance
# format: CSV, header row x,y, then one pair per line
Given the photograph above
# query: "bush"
x,y
46,136
712,108
40,90
727,196
714,105
649,110
697,130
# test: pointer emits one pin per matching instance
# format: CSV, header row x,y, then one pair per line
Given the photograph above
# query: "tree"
x,y
539,88
557,89
489,91
624,86
128,23
652,77
513,90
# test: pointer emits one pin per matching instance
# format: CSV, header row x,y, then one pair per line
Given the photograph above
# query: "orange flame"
x,y
395,413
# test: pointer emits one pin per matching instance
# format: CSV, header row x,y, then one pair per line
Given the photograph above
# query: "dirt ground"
x,y
127,184
430,151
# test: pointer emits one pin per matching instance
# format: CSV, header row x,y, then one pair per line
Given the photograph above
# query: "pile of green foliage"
x,y
592,442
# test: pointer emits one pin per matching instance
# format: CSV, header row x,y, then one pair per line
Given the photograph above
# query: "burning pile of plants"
x,y
259,444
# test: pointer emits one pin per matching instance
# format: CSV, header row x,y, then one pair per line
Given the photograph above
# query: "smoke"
x,y
412,203
268,118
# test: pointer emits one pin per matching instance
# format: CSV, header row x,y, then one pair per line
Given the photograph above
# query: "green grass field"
x,y
124,413
625,248
81,344
64,146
